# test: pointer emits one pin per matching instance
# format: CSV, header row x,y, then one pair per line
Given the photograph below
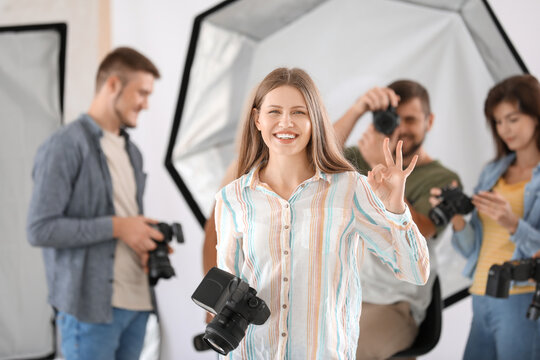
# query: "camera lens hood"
x,y
225,331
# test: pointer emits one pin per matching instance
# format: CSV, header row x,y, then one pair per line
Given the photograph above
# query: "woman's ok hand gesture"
x,y
388,181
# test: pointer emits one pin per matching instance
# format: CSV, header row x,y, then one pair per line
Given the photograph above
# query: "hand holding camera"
x,y
159,265
376,99
447,203
383,103
136,232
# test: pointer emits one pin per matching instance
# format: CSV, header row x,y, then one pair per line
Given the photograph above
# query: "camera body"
x,y
454,201
500,276
236,306
159,265
386,121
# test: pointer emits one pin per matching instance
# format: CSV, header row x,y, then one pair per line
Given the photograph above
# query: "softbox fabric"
x,y
348,46
30,108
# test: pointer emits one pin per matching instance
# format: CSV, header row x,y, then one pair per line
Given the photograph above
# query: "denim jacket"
x,y
527,236
70,217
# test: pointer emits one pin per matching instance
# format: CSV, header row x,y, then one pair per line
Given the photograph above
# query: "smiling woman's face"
x,y
284,121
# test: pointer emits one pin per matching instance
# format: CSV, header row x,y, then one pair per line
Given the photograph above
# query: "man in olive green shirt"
x,y
392,310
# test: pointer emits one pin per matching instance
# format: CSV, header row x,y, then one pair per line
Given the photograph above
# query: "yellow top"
x,y
496,245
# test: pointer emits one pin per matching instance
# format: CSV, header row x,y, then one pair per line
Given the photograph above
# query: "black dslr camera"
x,y
499,277
235,305
159,265
386,121
454,201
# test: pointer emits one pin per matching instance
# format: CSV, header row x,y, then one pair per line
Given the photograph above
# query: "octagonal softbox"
x,y
456,49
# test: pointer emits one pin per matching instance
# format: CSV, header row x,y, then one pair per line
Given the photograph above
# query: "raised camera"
x,y
159,265
453,201
386,121
500,276
235,305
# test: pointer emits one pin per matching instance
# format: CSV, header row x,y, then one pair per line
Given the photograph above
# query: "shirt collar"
x,y
321,175
252,178
96,130
505,162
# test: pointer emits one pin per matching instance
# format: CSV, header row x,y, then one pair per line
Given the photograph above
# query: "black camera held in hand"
x,y
235,305
453,201
500,276
159,265
386,121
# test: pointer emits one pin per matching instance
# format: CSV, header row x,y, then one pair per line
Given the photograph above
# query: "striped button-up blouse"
x,y
303,256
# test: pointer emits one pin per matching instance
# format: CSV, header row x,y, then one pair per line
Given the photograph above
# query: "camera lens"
x,y
200,344
225,331
453,202
438,216
159,265
386,121
222,348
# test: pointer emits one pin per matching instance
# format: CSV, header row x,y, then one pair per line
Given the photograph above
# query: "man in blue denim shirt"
x,y
85,213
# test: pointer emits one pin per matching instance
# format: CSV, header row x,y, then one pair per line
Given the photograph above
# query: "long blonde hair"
x,y
323,151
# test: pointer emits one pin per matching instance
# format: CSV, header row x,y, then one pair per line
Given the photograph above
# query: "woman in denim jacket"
x,y
505,224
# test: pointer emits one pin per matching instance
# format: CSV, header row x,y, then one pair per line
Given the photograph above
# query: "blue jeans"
x,y
122,339
501,330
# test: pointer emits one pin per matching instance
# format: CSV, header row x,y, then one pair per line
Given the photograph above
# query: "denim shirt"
x,y
70,217
527,236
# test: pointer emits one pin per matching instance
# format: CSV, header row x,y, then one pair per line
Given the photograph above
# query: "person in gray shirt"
x,y
86,213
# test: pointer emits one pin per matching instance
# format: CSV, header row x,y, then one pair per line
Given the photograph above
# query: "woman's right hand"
x,y
458,222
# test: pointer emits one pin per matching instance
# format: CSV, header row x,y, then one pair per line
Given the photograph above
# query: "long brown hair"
x,y
323,151
520,90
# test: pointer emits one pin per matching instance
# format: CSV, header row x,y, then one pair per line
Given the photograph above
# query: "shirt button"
x,y
283,334
284,306
405,222
286,252
286,227
286,206
285,279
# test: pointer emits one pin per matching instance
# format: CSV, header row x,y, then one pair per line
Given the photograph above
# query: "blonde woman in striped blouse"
x,y
505,224
298,220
